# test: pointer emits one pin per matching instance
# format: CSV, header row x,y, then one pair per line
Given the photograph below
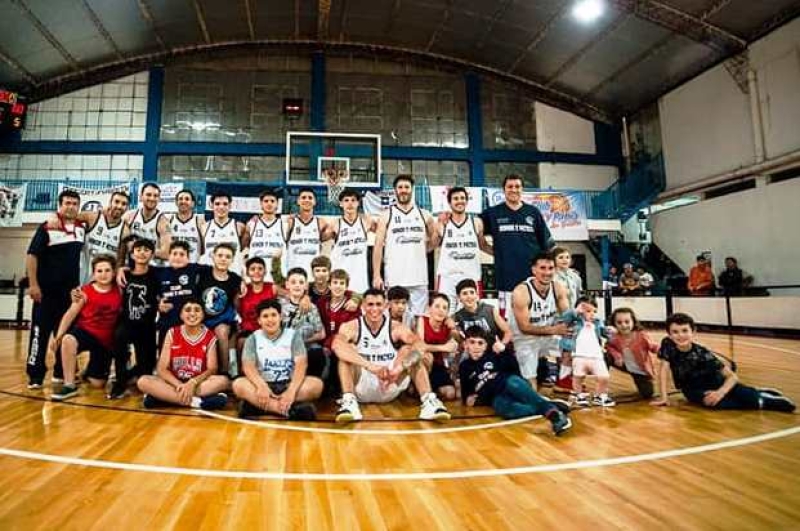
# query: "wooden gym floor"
x,y
91,463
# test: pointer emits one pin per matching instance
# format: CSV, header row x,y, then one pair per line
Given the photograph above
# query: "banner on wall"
x,y
439,199
376,202
564,212
245,197
94,199
12,203
168,193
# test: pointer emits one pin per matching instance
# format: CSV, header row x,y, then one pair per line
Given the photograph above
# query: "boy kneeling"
x,y
186,374
274,363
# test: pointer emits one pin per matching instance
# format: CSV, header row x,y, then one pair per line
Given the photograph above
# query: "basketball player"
x,y
373,370
519,233
267,235
148,222
306,233
224,229
186,226
406,233
461,237
536,302
350,240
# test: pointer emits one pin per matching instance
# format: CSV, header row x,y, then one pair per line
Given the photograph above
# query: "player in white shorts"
x,y
267,234
149,223
349,250
224,229
461,240
306,232
373,370
186,226
405,233
537,301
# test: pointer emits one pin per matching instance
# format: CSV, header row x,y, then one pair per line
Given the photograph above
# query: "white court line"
x,y
416,476
344,431
762,345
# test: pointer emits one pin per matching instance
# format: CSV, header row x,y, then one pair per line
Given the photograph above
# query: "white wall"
x,y
576,176
558,130
759,227
13,248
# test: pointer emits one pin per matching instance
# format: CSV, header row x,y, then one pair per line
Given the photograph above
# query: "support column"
x,y
475,129
155,100
317,118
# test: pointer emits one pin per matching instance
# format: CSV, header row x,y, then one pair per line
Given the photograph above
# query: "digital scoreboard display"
x,y
12,111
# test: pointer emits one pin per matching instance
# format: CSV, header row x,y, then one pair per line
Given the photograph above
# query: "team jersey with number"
x,y
460,254
542,311
188,356
217,234
275,357
350,253
266,241
304,244
147,229
405,257
376,348
188,231
102,238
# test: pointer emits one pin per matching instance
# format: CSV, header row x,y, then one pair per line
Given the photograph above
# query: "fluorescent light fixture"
x,y
587,11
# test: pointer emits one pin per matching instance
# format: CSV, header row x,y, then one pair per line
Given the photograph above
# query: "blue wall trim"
x,y
472,82
513,155
66,147
221,148
155,98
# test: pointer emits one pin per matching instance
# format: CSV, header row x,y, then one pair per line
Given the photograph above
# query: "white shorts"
x,y
369,391
528,352
586,366
418,304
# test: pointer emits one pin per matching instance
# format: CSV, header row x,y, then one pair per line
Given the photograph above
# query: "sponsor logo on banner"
x,y
439,199
12,202
564,212
94,199
247,205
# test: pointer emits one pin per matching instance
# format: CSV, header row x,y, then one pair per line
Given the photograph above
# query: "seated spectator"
x,y
646,280
732,280
628,281
701,277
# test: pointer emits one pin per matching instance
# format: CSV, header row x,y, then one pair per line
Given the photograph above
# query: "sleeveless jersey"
x,y
248,306
350,253
334,316
482,317
188,231
303,245
99,315
188,356
460,255
542,311
148,230
100,239
274,357
405,255
266,240
216,234
435,337
376,348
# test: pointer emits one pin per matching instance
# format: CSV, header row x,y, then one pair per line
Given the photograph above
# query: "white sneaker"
x,y
348,409
433,409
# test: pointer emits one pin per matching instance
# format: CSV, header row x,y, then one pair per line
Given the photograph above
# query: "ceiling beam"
x,y
580,54
47,34
392,17
652,51
323,19
538,37
248,11
17,66
443,24
147,15
497,15
102,29
777,20
696,28
201,20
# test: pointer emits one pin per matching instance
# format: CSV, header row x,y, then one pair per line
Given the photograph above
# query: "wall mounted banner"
x,y
376,202
94,199
12,203
245,198
439,199
168,193
564,212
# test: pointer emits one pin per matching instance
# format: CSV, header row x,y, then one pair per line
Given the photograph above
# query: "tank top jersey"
x,y
266,240
435,337
542,311
376,348
99,315
100,239
460,254
482,317
216,234
334,316
304,243
405,256
188,231
188,356
350,253
148,230
274,356
248,305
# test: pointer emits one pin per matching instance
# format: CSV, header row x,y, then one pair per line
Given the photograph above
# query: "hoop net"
x,y
335,181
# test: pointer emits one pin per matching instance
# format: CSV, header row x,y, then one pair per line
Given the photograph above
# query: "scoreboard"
x,y
12,111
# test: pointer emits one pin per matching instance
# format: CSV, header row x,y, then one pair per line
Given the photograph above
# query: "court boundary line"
x,y
404,476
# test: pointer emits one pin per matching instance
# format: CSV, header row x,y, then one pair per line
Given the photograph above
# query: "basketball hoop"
x,y
335,181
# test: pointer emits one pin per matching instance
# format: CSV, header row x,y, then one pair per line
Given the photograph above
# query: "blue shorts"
x,y
99,356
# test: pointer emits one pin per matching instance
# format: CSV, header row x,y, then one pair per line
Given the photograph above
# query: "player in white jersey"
x,y
461,240
306,233
405,233
267,234
537,301
186,226
224,229
149,223
349,250
373,370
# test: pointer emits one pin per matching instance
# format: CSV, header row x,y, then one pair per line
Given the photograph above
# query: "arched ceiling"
x,y
636,51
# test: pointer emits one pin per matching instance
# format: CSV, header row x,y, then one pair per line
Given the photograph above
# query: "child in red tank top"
x,y
437,331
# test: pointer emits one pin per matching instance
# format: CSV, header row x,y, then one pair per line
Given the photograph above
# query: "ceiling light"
x,y
587,11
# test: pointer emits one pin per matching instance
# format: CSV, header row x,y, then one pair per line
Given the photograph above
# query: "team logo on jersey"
x,y
92,206
215,300
529,220
183,280
409,239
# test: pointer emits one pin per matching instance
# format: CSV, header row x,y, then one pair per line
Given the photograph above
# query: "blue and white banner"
x,y
245,197
94,199
12,203
439,199
564,212
376,202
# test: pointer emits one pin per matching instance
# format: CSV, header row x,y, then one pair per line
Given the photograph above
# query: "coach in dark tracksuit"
x,y
53,266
